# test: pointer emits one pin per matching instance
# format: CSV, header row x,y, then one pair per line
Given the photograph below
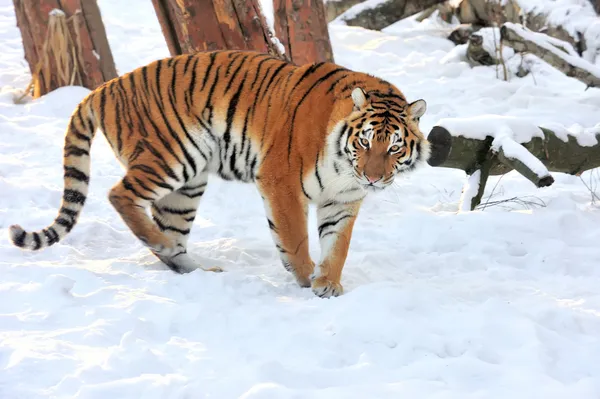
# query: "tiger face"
x,y
384,138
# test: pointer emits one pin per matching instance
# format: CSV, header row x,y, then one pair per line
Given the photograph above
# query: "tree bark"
x,y
302,28
387,12
190,26
64,47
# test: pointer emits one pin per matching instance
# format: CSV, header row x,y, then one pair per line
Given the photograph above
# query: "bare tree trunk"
x,y
190,26
387,12
302,28
65,43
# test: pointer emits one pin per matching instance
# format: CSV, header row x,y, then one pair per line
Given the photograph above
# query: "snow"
x,y
514,150
57,12
469,191
479,127
496,303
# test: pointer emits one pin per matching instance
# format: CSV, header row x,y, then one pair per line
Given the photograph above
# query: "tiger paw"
x,y
325,288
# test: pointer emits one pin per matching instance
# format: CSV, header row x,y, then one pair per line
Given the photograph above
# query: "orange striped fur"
x,y
317,133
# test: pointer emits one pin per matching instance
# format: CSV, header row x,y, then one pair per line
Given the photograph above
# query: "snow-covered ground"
x,y
497,303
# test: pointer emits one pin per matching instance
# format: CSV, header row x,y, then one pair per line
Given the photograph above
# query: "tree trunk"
x,y
65,44
190,26
596,4
385,13
302,28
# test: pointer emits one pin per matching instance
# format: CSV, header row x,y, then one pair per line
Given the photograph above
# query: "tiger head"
x,y
384,137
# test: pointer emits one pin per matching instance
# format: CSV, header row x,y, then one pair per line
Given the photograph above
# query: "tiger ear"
x,y
417,109
359,97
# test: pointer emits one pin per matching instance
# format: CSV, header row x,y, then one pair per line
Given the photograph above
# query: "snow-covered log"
x,y
377,14
494,145
555,52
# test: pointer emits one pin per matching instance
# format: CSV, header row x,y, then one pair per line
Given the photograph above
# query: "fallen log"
x,y
534,152
555,52
377,14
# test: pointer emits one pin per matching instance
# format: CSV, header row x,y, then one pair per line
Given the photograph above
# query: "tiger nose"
x,y
372,180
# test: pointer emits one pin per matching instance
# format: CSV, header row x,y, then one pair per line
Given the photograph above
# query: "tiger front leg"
x,y
336,221
286,217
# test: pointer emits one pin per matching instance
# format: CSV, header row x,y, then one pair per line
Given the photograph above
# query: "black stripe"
x,y
272,225
161,162
69,212
64,222
144,185
102,109
208,69
164,227
176,211
210,94
232,165
73,196
187,63
335,82
236,72
271,80
257,75
192,195
188,188
80,136
150,171
317,172
172,101
302,180
231,111
74,150
117,125
55,237
129,187
20,239
37,244
76,174
332,223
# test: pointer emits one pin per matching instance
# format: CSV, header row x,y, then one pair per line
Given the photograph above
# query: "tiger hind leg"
x,y
131,198
174,214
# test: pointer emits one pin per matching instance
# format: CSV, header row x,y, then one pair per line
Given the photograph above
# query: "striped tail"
x,y
78,141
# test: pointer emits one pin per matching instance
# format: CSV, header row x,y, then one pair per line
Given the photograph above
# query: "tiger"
x,y
316,134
